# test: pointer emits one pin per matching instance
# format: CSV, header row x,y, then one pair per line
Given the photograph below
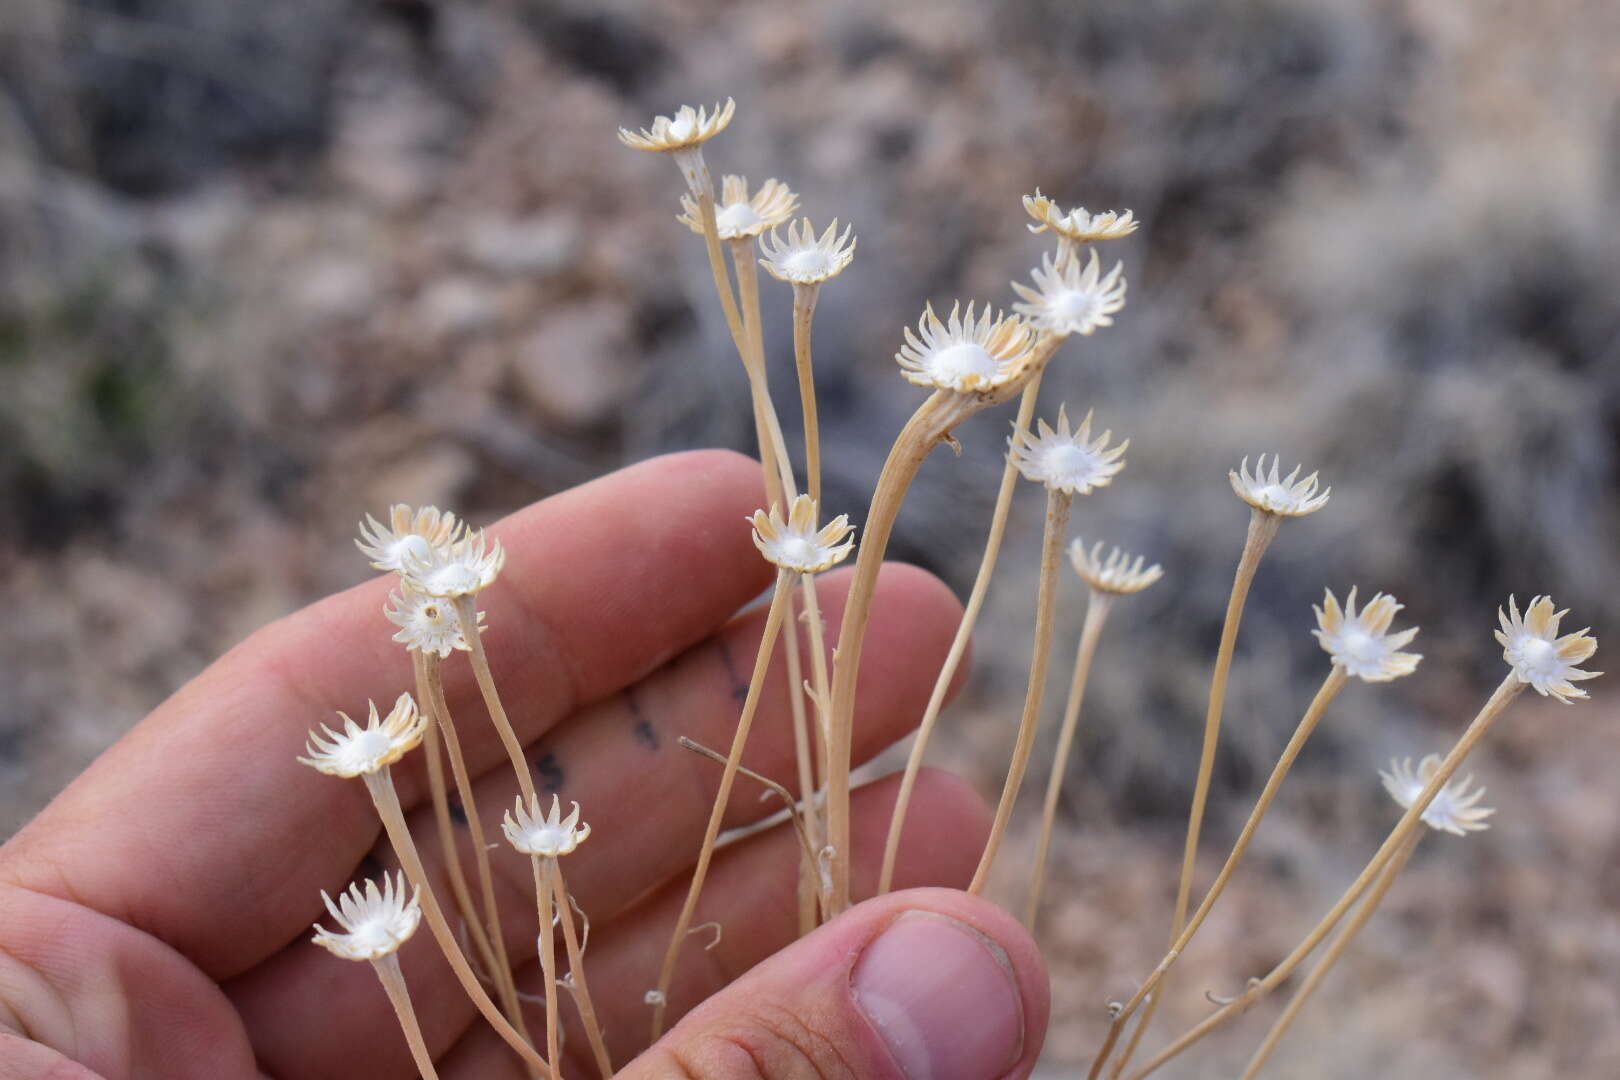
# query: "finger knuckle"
x,y
770,1043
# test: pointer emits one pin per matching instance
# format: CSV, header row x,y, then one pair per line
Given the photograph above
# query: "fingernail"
x,y
942,997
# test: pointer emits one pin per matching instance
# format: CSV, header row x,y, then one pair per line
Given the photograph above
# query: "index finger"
x,y
200,826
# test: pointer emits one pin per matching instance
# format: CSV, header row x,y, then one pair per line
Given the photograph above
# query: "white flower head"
x,y
805,258
358,750
375,923
1077,224
1275,494
1360,642
1455,806
737,215
427,623
420,532
796,544
550,835
965,353
1067,461
1117,573
1072,300
466,567
1538,656
688,127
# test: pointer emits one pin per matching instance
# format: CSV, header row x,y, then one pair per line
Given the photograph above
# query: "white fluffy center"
x,y
955,363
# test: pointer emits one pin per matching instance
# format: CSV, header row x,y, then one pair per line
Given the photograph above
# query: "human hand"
x,y
154,919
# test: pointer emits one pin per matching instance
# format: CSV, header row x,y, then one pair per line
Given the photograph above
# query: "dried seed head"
x,y
420,532
358,750
1454,809
1118,573
805,258
737,215
468,566
796,544
1538,656
1067,461
1284,496
427,623
1077,225
375,923
1071,300
687,128
549,835
964,353
1361,642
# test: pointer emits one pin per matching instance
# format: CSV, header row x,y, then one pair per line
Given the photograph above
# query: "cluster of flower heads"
x,y
438,558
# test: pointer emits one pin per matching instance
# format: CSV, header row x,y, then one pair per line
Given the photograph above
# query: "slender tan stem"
x,y
756,684
467,612
393,980
439,707
447,840
1336,949
959,645
383,794
1410,822
801,754
1097,608
804,311
1335,682
932,420
543,895
1058,505
717,266
576,971
1262,530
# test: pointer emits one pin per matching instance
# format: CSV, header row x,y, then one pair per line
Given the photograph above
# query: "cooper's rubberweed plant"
x,y
975,357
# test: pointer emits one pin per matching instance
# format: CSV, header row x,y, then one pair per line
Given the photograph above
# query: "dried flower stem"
x,y
804,310
1409,823
964,634
386,798
467,612
1058,505
1335,682
447,837
431,695
544,895
1262,530
1336,949
1097,609
762,662
576,970
925,429
393,980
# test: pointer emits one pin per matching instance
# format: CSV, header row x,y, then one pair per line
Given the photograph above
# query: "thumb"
x,y
927,984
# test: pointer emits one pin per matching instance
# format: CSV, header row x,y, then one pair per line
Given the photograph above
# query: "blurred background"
x,y
265,267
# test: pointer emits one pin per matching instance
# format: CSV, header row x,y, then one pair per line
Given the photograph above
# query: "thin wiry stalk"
x,y
447,841
1335,681
1097,608
804,311
1058,505
1409,823
1335,950
430,686
959,645
467,612
393,980
386,798
1262,530
580,991
756,684
544,895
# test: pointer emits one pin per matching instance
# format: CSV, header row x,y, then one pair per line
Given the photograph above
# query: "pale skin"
x,y
157,914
